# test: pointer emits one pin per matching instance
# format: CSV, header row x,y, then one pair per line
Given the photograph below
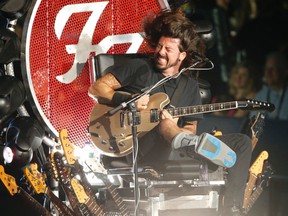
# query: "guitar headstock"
x,y
95,166
79,191
266,174
257,125
8,181
251,104
35,178
63,171
53,168
67,146
257,166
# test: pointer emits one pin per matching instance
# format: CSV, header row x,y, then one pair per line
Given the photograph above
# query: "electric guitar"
x,y
255,170
112,134
264,182
36,180
11,185
99,171
63,174
68,149
257,128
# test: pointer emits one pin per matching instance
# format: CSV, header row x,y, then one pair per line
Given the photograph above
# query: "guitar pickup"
x,y
154,115
122,114
137,118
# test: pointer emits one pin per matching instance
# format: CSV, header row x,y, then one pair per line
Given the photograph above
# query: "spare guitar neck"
x,y
257,126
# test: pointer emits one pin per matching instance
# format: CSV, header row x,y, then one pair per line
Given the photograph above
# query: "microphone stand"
x,y
132,107
133,110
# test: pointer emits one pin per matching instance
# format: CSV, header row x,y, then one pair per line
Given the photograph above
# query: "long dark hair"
x,y
174,23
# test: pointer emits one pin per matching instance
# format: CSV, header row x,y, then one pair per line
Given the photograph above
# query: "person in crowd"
x,y
243,83
172,35
275,89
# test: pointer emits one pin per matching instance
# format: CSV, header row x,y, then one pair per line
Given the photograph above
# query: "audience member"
x,y
243,83
275,89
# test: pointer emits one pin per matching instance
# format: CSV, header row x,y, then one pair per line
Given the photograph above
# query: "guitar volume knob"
x,y
104,142
121,144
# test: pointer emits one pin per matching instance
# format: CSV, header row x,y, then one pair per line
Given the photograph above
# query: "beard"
x,y
168,65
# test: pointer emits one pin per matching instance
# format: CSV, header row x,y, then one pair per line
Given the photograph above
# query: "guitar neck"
x,y
61,208
100,173
78,209
31,201
267,172
253,198
92,201
254,142
257,128
200,109
85,183
118,200
249,188
94,208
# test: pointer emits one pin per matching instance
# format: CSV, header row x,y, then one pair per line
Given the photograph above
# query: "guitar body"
x,y
112,135
90,204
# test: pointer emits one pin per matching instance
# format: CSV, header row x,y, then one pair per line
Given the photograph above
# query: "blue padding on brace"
x,y
209,154
233,156
216,151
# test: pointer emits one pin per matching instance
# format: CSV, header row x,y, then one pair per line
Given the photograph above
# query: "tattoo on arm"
x,y
104,88
110,80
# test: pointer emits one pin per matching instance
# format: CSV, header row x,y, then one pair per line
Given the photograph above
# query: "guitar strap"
x,y
178,91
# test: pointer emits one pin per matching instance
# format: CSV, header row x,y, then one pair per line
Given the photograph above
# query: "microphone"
x,y
207,146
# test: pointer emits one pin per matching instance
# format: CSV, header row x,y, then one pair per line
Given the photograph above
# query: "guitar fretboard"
x,y
182,111
61,208
36,205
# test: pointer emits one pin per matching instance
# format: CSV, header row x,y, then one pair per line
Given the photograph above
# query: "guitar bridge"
x,y
154,115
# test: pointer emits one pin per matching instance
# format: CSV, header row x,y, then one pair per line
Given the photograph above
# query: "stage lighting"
x,y
23,136
9,46
199,17
12,95
14,9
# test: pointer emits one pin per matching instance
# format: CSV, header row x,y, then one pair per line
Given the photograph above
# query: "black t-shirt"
x,y
138,74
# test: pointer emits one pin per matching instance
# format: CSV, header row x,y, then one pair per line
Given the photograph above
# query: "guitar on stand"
x,y
73,162
255,170
12,187
99,171
36,180
263,183
63,173
253,190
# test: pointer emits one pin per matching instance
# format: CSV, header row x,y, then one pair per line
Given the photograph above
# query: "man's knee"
x,y
238,142
244,144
